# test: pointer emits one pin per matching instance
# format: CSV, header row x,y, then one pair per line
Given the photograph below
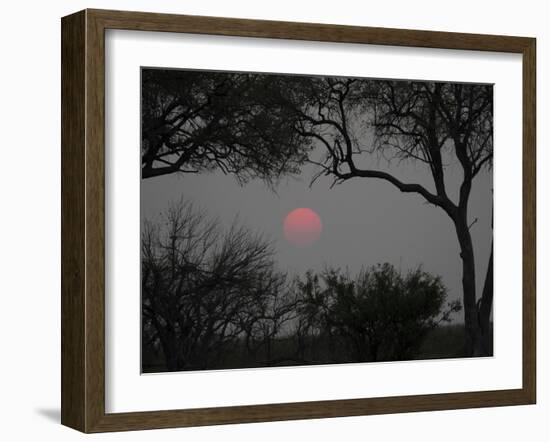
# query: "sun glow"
x,y
302,227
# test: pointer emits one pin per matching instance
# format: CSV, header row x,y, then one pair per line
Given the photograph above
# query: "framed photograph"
x,y
266,221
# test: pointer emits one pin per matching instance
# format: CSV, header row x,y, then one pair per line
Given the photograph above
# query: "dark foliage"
x,y
430,123
265,126
202,288
213,299
195,121
379,315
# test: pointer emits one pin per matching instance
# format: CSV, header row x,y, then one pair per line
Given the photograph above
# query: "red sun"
x,y
302,227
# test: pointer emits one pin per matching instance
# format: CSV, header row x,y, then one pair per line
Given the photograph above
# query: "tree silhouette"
x,y
426,122
265,126
378,315
265,327
194,121
201,286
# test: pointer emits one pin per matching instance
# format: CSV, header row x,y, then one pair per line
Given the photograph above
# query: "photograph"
x,y
310,243
295,220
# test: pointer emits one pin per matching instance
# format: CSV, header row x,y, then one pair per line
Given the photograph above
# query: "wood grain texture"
x,y
95,222
144,21
73,128
83,219
529,220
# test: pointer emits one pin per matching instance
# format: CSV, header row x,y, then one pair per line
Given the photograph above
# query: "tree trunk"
x,y
473,333
485,309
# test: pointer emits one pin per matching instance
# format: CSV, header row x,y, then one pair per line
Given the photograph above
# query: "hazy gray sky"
x,y
365,221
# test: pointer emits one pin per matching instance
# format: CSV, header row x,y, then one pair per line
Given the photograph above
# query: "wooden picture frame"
x,y
83,220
